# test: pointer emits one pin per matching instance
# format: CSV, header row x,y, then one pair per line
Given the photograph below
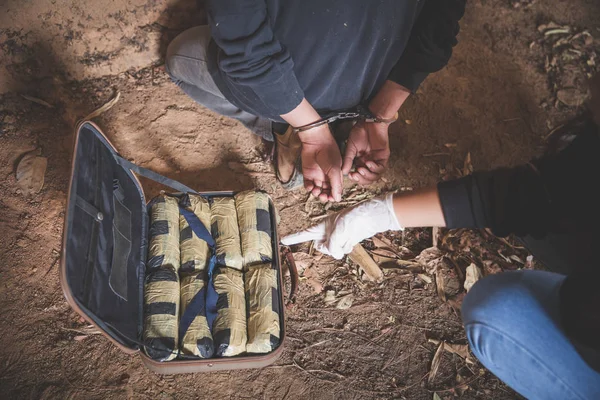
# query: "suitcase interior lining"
x,y
91,240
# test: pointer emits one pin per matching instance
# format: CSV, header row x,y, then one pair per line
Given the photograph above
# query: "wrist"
x,y
394,222
388,100
317,134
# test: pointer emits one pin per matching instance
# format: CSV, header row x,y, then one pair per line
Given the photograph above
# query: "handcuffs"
x,y
360,112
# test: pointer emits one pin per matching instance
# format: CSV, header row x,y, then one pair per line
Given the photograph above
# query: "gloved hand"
x,y
340,232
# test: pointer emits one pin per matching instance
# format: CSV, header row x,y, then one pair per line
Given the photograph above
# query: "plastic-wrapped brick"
x,y
254,222
262,296
161,314
225,231
229,327
195,252
197,340
163,250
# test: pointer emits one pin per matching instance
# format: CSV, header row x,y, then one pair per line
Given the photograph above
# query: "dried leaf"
x,y
425,278
101,110
436,396
330,297
472,276
461,388
439,285
467,165
313,279
461,350
430,259
345,302
31,172
571,97
435,363
435,235
38,101
303,262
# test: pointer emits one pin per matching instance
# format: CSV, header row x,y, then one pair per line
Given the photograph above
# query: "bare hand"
x,y
369,150
321,164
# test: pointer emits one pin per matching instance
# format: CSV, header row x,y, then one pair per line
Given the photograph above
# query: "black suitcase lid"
x,y
105,239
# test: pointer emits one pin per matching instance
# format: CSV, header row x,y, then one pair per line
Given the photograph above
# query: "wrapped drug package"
x,y
161,293
229,328
197,340
163,251
225,232
161,314
195,252
262,297
254,222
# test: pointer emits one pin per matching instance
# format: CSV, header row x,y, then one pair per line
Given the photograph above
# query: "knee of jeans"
x,y
489,300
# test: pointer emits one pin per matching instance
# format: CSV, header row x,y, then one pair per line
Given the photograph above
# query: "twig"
x,y
52,265
316,344
38,101
319,371
436,154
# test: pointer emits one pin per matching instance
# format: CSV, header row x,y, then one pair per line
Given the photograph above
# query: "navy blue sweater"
x,y
267,55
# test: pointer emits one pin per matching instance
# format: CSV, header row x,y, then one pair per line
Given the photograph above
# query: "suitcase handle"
x,y
288,256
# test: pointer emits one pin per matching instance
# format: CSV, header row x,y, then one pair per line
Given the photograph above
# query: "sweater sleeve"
x,y
506,200
251,55
430,44
553,194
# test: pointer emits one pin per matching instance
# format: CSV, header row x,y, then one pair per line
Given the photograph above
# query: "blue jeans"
x,y
513,325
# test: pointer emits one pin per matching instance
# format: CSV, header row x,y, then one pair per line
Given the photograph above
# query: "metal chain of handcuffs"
x,y
360,113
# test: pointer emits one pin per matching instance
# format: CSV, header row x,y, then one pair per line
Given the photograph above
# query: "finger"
x,y
308,184
349,157
325,186
336,182
361,180
316,191
367,174
316,232
375,167
324,197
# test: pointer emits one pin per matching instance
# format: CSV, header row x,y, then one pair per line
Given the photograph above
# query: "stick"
x,y
360,256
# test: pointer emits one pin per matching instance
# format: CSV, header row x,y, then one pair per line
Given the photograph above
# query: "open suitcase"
x,y
102,272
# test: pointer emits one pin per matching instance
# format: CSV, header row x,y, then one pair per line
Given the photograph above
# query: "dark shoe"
x,y
287,159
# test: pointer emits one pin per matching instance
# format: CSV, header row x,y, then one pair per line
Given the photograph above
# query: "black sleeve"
x,y
251,54
506,200
556,193
430,44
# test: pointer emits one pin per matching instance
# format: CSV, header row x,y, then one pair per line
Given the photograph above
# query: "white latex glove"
x,y
340,232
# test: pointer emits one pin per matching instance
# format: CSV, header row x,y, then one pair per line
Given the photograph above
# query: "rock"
x,y
31,172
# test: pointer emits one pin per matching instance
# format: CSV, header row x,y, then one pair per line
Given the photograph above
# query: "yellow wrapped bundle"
x,y
263,308
226,233
229,327
254,222
161,314
197,341
163,250
195,252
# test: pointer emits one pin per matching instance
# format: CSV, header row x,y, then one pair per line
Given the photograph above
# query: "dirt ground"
x,y
508,84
